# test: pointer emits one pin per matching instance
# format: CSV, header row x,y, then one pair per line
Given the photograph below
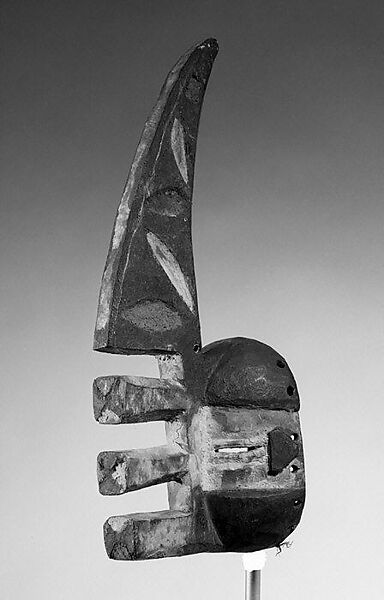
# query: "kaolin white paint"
x,y
172,268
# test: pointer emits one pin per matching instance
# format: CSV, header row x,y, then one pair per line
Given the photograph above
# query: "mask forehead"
x,y
245,372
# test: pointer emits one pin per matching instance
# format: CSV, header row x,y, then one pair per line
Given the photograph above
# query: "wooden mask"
x,y
234,459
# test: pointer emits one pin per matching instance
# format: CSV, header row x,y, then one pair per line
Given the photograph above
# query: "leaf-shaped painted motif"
x,y
153,315
171,267
178,148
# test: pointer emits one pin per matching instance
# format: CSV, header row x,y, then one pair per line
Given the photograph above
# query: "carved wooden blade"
x,y
148,300
121,472
130,399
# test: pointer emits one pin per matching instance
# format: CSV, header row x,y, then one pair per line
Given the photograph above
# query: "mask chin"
x,y
254,520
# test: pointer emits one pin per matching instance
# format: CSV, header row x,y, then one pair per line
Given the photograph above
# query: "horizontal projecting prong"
x,y
121,472
149,535
130,399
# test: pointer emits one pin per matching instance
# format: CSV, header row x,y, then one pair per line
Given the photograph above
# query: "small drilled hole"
x,y
280,364
196,348
290,390
293,468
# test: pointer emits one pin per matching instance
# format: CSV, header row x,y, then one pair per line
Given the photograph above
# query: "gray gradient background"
x,y
289,246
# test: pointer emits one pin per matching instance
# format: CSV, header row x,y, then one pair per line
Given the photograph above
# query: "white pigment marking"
x,y
120,475
171,367
104,384
103,310
178,147
232,450
120,223
108,416
172,268
118,523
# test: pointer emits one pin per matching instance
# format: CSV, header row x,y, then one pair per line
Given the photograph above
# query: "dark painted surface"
x,y
246,372
254,521
282,449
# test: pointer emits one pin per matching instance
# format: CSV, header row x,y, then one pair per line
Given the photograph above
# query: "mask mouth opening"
x,y
235,449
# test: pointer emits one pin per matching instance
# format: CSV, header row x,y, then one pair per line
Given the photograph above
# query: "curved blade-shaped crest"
x,y
148,300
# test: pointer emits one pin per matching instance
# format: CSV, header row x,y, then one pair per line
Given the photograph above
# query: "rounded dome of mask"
x,y
245,372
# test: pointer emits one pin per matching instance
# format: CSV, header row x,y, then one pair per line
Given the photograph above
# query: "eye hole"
x,y
280,364
294,437
196,348
290,390
297,502
293,468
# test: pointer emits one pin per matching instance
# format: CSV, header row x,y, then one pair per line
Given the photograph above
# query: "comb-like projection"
x,y
233,462
149,535
129,399
121,472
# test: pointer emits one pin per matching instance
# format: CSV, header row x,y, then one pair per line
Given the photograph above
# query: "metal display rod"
x,y
253,564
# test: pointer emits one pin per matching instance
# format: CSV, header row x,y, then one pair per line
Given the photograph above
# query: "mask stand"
x,y
253,563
